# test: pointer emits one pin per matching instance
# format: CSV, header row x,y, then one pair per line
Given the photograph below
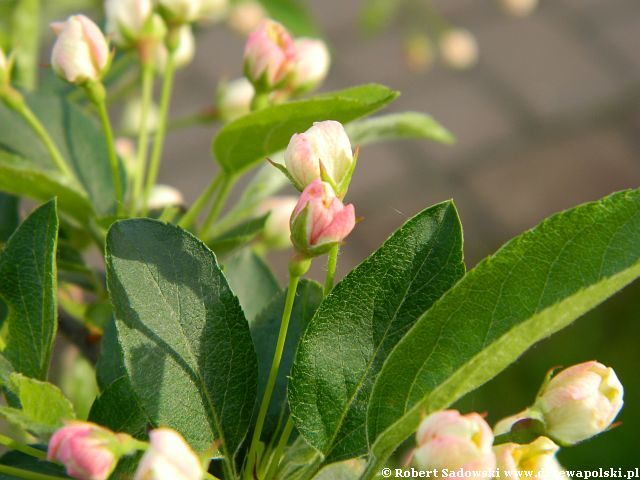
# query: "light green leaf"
x,y
357,325
248,140
43,406
532,287
238,236
396,126
79,139
251,280
264,331
186,343
28,288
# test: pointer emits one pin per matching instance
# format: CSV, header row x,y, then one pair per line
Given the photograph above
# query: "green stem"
x,y
98,96
332,261
143,136
282,443
228,182
14,100
273,374
27,474
259,101
158,144
26,449
187,220
25,33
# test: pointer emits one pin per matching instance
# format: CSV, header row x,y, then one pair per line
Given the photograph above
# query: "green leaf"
x,y
532,287
270,129
118,408
293,14
28,287
264,331
238,236
346,470
186,343
357,325
26,462
9,216
252,281
396,126
23,177
79,139
43,406
110,366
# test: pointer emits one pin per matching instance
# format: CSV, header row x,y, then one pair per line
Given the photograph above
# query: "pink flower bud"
x,y
325,142
81,52
126,19
538,458
580,402
449,440
320,220
269,56
169,458
276,233
85,449
180,11
312,64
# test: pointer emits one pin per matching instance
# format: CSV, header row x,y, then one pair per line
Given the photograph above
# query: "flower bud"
x,y
519,8
234,98
169,457
320,220
312,64
276,233
534,460
245,17
269,56
126,150
163,196
85,449
184,53
131,119
213,10
327,143
178,12
459,49
580,402
81,52
126,20
450,440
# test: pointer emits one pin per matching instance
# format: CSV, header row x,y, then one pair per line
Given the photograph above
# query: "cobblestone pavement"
x,y
549,118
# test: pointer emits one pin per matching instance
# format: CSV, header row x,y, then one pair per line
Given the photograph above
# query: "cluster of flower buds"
x,y
578,403
91,452
273,60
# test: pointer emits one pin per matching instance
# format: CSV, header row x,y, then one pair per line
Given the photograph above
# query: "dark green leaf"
x,y
27,462
78,137
238,236
28,287
532,287
357,325
396,126
264,331
252,281
270,129
9,215
186,343
110,366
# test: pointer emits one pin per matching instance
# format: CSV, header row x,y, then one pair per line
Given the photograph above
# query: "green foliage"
x,y
43,407
186,344
238,236
532,287
28,288
355,328
397,126
271,128
26,462
9,216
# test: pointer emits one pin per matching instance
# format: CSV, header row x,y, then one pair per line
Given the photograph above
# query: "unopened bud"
x,y
178,12
276,233
320,220
169,457
269,56
184,53
131,120
311,66
459,48
126,20
580,402
447,439
519,8
163,196
246,16
534,460
234,98
323,146
80,53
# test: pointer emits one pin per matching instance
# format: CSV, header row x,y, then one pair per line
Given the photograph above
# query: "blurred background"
x,y
544,100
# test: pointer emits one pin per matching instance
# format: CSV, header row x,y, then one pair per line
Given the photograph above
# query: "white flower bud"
x,y
169,458
459,48
519,8
131,119
163,196
234,98
312,64
180,11
81,52
126,20
580,402
184,53
246,16
276,233
534,460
